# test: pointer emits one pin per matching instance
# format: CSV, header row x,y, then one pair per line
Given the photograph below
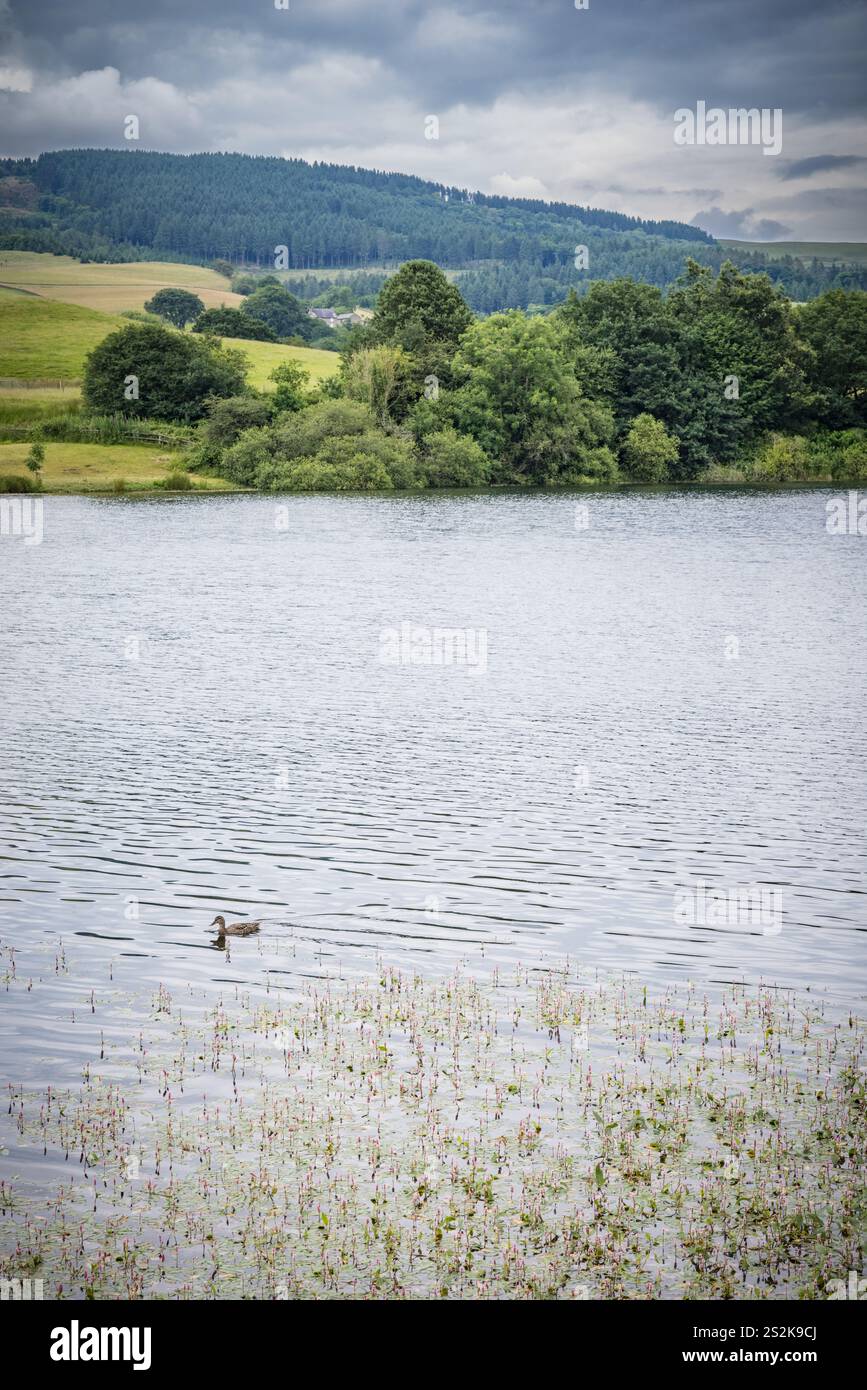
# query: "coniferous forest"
x,y
117,205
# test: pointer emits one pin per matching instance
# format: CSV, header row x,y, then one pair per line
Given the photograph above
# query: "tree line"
x,y
722,379
512,252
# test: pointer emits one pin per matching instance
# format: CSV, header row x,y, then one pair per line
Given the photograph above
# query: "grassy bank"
x,y
100,467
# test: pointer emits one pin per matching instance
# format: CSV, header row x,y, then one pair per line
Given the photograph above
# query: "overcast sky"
x,y
536,98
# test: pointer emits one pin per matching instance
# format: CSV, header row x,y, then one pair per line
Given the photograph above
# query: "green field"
x,y
828,252
47,341
96,467
264,357
42,339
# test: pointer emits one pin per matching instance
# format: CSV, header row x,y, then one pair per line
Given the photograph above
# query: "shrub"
x,y
177,482
290,383
784,458
18,482
358,472
852,464
35,458
149,370
232,323
454,460
369,461
648,450
301,435
228,417
597,466
243,462
119,485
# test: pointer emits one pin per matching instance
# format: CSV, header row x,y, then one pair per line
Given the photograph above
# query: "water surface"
x,y
196,719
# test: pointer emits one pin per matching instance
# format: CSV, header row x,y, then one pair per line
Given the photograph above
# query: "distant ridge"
x,y
140,204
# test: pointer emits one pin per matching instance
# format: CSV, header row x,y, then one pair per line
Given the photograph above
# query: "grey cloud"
x,y
533,95
743,225
820,164
787,53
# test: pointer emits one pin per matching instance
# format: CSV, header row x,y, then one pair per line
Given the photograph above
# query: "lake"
x,y
428,729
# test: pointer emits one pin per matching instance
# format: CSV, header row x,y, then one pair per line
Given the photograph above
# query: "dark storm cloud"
x,y
820,164
535,98
789,53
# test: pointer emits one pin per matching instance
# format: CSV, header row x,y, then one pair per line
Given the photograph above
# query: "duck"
x,y
234,928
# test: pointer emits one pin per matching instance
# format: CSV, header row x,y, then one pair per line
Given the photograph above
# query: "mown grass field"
x,y
828,252
109,288
264,357
40,338
96,467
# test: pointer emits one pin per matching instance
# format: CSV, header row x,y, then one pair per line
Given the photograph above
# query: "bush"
x,y
648,451
15,482
149,370
597,466
356,473
301,434
119,485
177,482
36,457
363,462
852,467
228,417
784,458
243,462
841,455
232,323
454,460
290,387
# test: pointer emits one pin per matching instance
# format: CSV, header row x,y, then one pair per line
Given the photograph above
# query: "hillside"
x,y
47,339
41,339
139,205
827,252
110,288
